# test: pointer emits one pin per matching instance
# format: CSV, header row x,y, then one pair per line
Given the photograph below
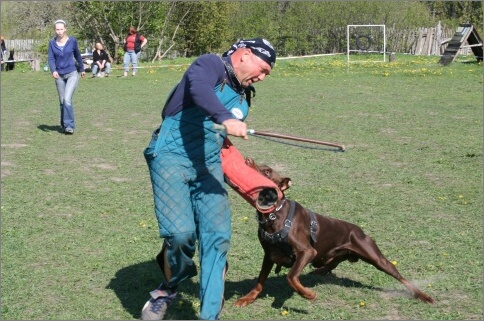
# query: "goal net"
x,y
366,43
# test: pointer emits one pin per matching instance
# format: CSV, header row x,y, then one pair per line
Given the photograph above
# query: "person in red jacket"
x,y
133,44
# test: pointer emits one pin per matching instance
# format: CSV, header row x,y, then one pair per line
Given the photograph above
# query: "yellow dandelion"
x,y
394,262
362,304
284,312
245,218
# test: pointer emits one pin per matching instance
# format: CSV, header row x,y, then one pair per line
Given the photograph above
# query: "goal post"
x,y
366,43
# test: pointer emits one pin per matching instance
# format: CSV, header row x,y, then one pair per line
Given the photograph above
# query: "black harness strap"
x,y
281,236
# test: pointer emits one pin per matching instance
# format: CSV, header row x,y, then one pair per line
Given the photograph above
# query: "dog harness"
x,y
281,236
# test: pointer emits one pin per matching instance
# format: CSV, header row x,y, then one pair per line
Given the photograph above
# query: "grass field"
x,y
79,235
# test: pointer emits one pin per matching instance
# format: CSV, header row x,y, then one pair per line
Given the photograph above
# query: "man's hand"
x,y
236,127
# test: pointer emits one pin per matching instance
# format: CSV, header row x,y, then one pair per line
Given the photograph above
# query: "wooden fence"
x,y
25,49
423,41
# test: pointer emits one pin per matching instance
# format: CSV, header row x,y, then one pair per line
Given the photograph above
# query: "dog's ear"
x,y
285,184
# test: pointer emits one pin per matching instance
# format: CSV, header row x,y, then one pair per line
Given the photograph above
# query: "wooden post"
x,y
392,57
35,64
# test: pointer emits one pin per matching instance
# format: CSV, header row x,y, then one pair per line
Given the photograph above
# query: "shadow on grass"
x,y
50,128
132,285
471,62
278,288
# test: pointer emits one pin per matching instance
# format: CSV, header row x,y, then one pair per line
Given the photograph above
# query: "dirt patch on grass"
x,y
105,166
15,145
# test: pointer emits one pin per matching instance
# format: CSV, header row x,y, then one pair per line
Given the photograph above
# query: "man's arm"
x,y
203,75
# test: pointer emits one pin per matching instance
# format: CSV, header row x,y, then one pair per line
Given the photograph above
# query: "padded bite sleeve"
x,y
255,188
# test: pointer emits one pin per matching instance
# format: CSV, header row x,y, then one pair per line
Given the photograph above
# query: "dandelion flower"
x,y
394,262
284,312
362,303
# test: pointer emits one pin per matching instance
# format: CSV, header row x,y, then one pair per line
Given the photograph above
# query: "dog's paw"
x,y
310,295
243,301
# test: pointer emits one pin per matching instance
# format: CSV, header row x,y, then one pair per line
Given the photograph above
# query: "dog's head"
x,y
282,182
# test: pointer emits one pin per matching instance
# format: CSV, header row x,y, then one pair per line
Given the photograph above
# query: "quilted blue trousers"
x,y
191,200
191,204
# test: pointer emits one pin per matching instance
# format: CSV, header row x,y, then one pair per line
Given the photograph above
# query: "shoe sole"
x,y
146,314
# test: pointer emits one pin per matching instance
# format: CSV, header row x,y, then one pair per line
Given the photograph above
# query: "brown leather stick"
x,y
300,139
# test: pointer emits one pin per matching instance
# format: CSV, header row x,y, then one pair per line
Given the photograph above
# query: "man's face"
x,y
252,69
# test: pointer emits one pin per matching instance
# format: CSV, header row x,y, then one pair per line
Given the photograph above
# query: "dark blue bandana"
x,y
259,47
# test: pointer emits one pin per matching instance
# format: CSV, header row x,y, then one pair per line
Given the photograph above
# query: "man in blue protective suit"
x,y
183,156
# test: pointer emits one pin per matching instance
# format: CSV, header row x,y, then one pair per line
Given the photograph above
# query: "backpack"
x,y
137,43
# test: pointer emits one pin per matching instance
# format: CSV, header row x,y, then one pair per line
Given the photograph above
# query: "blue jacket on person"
x,y
64,59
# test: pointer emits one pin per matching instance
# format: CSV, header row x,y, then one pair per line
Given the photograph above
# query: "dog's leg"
x,y
329,265
302,259
369,252
247,299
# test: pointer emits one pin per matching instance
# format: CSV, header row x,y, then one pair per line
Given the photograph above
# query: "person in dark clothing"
x,y
100,61
4,51
183,157
10,61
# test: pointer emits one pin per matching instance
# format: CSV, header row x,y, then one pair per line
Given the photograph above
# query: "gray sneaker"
x,y
156,307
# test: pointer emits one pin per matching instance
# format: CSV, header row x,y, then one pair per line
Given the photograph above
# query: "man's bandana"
x,y
259,46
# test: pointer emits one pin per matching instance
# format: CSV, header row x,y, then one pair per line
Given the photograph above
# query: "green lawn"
x,y
79,235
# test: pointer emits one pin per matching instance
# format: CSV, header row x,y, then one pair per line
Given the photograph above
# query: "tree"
x,y
108,22
204,26
165,30
41,16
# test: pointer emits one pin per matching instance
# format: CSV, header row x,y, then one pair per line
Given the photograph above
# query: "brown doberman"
x,y
292,236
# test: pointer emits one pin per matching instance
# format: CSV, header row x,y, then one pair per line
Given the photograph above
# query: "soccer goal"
x,y
366,43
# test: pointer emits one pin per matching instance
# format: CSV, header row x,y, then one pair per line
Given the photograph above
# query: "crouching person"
x,y
100,62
